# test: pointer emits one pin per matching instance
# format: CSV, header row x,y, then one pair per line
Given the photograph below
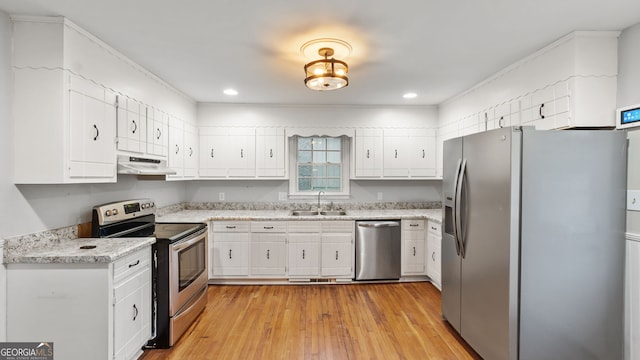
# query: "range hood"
x,y
134,165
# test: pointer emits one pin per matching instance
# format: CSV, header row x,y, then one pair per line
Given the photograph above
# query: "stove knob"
x,y
144,206
152,204
108,212
115,212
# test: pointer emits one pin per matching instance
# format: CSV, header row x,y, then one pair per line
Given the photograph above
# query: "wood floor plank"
x,y
354,321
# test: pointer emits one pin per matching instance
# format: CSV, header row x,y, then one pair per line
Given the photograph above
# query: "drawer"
x,y
338,226
231,226
268,227
304,226
131,264
413,224
434,228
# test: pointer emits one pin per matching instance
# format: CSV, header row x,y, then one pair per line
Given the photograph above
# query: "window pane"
x,y
333,171
305,171
319,184
319,157
319,171
304,184
334,143
319,143
333,184
333,157
304,157
304,143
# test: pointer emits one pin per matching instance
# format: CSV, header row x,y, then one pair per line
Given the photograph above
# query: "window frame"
x,y
345,152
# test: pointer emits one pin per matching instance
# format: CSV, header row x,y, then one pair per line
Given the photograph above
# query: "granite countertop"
x,y
68,251
261,215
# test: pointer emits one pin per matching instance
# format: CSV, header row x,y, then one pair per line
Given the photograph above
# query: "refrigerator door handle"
x,y
455,207
458,205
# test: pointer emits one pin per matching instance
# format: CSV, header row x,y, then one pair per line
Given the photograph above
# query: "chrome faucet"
x,y
320,193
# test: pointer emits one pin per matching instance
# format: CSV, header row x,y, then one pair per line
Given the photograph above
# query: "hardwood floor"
x,y
355,321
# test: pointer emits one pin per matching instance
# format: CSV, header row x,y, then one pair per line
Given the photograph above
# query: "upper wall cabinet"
x,y
227,152
183,149
270,153
368,153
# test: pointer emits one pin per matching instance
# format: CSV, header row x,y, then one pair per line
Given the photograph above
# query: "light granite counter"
x,y
262,215
100,250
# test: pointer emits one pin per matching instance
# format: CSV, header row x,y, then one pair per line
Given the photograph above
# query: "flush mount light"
x,y
410,95
230,92
326,73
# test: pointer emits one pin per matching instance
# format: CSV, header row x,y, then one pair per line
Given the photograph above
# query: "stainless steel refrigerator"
x,y
533,242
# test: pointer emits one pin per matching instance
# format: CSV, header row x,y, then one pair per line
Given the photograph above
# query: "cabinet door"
x,y
176,146
270,154
414,258
190,151
131,126
92,151
157,132
304,254
268,254
396,157
132,315
230,257
422,151
241,152
368,156
213,156
337,255
433,258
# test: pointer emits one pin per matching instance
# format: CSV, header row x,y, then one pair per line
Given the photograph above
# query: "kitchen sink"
x,y
333,213
303,213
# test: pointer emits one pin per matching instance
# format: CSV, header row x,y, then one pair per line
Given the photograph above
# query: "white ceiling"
x,y
436,48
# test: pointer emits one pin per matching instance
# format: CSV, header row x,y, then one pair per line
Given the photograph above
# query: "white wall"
x,y
27,209
308,116
629,94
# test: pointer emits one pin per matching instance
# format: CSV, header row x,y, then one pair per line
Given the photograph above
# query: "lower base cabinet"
x,y
88,310
413,258
434,246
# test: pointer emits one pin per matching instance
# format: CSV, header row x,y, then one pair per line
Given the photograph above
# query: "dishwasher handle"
x,y
382,224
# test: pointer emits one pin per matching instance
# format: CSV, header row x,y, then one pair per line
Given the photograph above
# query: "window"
x,y
321,164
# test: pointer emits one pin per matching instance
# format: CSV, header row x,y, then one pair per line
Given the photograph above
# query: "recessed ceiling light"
x,y
410,95
231,92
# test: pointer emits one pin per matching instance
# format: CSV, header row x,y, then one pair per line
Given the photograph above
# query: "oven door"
x,y
187,270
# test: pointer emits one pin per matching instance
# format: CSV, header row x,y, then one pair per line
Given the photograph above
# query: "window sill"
x,y
338,196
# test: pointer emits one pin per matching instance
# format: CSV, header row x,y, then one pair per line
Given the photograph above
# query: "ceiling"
x,y
435,48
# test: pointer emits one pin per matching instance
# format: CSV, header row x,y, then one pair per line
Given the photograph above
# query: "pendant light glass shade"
x,y
327,73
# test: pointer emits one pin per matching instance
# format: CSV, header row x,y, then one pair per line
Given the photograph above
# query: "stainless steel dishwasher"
x,y
378,250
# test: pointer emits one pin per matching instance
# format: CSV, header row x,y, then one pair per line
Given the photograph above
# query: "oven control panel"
x,y
123,210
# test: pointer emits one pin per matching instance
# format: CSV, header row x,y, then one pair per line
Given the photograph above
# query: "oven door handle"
x,y
122,234
181,245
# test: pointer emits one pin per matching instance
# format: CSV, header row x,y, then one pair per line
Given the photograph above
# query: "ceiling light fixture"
x,y
327,73
231,92
410,95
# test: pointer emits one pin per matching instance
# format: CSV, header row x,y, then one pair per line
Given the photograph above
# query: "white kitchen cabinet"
x,y
337,249
183,144
132,125
157,132
270,153
190,162
304,249
632,301
102,309
434,253
368,153
227,152
229,249
413,257
409,153
269,249
64,129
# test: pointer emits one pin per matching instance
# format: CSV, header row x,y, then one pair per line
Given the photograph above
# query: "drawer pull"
x,y
135,312
134,264
268,227
230,226
414,225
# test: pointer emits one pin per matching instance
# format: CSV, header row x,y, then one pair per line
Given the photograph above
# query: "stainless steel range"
x,y
180,266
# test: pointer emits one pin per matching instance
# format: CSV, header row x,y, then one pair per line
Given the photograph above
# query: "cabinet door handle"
x,y
97,132
540,111
414,251
500,122
302,254
134,264
433,256
367,153
158,133
229,253
241,153
211,152
270,153
190,151
267,254
177,149
336,254
230,226
396,155
268,227
134,126
135,312
423,154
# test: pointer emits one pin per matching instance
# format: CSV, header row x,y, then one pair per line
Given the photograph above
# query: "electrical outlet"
x,y
379,195
221,196
633,200
282,196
